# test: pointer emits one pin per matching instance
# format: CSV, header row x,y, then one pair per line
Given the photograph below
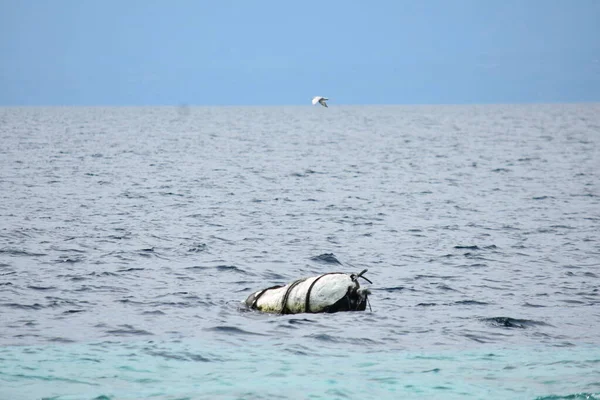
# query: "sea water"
x,y
130,236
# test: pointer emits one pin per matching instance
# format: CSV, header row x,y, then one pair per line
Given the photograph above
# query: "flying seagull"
x,y
319,99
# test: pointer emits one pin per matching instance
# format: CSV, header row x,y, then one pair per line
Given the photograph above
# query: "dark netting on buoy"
x,y
328,293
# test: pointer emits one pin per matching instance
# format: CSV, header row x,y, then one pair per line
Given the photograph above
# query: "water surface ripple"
x,y
139,231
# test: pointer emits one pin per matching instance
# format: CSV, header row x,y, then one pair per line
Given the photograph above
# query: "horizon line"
x,y
333,105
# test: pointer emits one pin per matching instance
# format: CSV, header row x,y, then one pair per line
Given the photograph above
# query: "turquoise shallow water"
x,y
260,368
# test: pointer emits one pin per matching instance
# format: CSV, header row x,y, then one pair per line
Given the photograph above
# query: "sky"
x,y
267,52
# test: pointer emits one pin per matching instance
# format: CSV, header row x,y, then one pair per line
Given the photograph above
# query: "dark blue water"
x,y
130,236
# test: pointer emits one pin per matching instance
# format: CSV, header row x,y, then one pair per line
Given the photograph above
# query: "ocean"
x,y
130,236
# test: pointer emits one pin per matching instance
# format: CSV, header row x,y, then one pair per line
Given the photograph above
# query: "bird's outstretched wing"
x,y
320,99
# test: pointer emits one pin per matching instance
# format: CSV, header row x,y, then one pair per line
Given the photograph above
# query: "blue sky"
x,y
263,52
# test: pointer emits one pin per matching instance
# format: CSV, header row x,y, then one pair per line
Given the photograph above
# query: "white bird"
x,y
319,99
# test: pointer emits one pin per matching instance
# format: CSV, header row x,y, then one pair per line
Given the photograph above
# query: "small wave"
x,y
105,273
562,227
68,260
221,268
477,338
131,269
390,289
467,247
298,175
19,252
300,321
172,294
270,275
507,322
72,311
128,301
255,239
584,195
476,265
147,253
569,301
74,278
101,288
328,258
128,330
296,352
41,287
171,194
70,250
179,357
434,277
60,340
576,396
232,330
304,174
230,268
120,237
197,248
446,287
471,302
58,302
34,306
50,378
532,305
131,195
323,337
181,304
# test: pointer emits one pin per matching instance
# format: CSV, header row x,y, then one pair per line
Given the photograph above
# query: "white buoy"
x,y
320,100
327,293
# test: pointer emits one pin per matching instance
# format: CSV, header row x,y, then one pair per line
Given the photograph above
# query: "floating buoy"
x,y
327,293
